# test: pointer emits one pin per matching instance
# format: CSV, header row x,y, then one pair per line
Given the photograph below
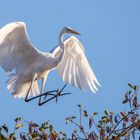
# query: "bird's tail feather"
x,y
19,85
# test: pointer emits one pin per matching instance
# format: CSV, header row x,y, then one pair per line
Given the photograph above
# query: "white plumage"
x,y
17,54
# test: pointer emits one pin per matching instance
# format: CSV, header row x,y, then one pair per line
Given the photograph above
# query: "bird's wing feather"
x,y
74,67
16,51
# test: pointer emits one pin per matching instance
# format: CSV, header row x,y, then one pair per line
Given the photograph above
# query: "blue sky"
x,y
110,34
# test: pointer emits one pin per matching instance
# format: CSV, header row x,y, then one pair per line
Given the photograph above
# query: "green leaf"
x,y
95,113
106,120
5,128
99,126
79,105
63,133
130,85
85,113
45,125
111,113
2,137
101,121
123,114
19,125
135,88
34,135
18,119
75,130
73,117
106,112
67,120
11,135
35,125
50,128
103,117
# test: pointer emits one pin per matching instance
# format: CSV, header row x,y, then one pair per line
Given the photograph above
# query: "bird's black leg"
x,y
34,77
55,96
44,94
39,96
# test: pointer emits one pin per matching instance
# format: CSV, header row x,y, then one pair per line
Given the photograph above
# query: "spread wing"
x,y
74,67
16,51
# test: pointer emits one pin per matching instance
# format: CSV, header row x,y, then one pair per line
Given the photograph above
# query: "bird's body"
x,y
30,64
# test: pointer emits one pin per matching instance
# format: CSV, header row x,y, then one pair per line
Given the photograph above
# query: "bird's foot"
x,y
53,96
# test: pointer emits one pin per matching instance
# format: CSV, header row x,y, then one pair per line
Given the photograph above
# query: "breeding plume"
x,y
28,64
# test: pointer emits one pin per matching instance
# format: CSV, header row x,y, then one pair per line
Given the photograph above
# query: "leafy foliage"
x,y
111,126
121,126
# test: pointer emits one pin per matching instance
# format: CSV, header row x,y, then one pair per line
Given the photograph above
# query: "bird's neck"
x,y
61,44
61,40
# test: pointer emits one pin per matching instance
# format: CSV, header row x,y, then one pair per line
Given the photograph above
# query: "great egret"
x,y
29,64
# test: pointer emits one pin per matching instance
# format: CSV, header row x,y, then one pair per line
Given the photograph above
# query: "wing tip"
x,y
15,24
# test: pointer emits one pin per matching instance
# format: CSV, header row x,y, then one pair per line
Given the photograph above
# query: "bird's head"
x,y
69,30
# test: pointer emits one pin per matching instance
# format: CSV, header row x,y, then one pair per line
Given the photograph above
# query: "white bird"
x,y
29,64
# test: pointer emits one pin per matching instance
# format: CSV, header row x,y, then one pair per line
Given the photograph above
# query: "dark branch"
x,y
54,95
